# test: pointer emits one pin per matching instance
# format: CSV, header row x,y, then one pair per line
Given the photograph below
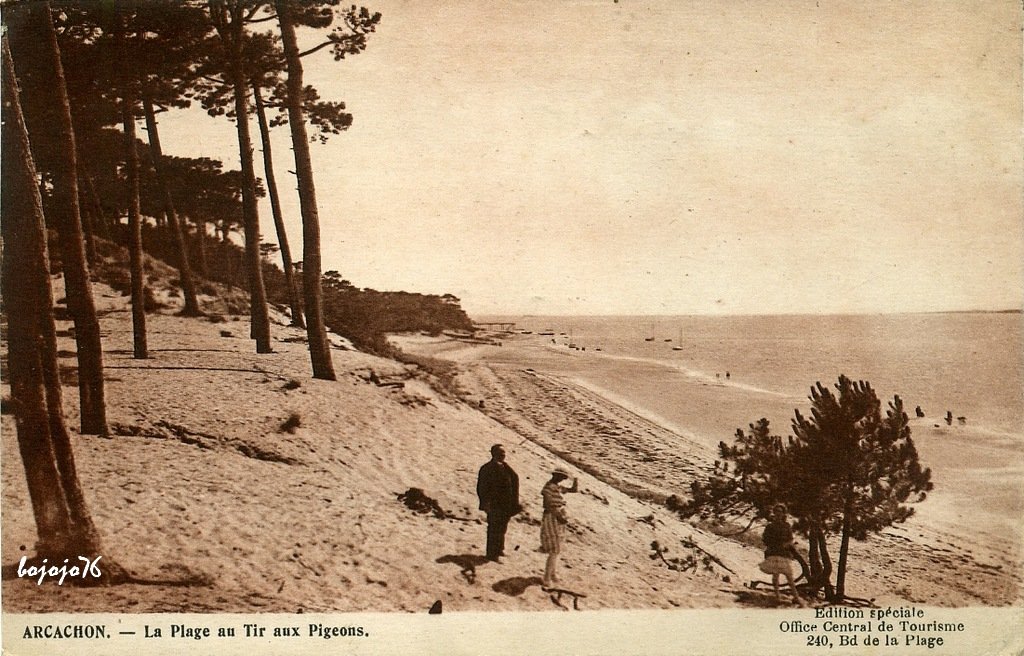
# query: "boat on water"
x,y
648,339
677,348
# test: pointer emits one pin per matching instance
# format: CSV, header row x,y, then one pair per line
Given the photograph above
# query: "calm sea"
x,y
967,363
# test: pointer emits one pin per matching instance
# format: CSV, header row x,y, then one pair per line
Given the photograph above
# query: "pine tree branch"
x,y
315,48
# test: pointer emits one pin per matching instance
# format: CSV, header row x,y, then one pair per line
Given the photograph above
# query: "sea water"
x,y
707,376
969,364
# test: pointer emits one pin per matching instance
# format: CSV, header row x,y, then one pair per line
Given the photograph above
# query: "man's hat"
x,y
561,471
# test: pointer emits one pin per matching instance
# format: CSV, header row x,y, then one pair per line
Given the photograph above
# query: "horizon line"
x,y
748,314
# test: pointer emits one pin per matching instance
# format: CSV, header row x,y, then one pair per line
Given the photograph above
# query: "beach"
x,y
962,547
234,482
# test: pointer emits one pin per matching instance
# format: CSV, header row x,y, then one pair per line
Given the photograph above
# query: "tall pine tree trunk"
x,y
63,523
188,287
260,328
37,43
27,298
275,206
138,273
319,347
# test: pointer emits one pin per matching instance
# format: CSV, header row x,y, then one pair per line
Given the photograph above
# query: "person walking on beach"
x,y
778,552
552,524
497,487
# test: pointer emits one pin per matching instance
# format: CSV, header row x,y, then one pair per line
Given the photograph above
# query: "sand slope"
x,y
199,484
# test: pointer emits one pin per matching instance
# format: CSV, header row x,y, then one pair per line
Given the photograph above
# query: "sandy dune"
x,y
200,485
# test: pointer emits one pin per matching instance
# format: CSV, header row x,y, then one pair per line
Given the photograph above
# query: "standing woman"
x,y
778,552
552,524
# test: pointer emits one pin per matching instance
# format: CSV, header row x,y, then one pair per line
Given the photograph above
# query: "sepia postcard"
x,y
469,327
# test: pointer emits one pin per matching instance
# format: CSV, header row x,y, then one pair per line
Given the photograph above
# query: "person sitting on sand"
x,y
778,552
552,524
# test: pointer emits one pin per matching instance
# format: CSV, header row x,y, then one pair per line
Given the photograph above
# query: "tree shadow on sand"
x,y
516,585
467,564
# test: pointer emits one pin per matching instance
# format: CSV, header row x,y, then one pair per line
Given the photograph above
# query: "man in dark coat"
x,y
497,486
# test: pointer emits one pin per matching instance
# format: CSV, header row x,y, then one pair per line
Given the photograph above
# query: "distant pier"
x,y
506,326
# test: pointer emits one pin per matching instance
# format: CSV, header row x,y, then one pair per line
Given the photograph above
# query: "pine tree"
x,y
866,464
846,470
275,209
63,522
348,39
229,17
168,38
36,41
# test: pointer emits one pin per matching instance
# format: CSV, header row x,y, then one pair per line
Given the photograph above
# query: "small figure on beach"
x,y
919,411
962,421
949,418
779,551
728,375
497,487
552,524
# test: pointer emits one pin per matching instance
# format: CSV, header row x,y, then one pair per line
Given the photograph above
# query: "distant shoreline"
x,y
476,318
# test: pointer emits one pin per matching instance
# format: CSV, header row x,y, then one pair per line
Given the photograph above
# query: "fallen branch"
x,y
693,545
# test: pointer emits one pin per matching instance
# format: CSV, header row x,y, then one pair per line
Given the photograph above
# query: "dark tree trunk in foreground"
x,y
319,347
37,42
63,522
275,206
188,287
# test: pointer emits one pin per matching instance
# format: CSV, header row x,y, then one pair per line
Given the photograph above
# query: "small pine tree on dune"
x,y
846,470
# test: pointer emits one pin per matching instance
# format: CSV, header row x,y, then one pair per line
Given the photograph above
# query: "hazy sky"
x,y
671,157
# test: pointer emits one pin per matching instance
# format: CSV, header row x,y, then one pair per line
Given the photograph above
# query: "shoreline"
x,y
983,549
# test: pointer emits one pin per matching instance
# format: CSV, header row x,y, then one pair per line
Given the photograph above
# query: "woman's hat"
x,y
560,471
